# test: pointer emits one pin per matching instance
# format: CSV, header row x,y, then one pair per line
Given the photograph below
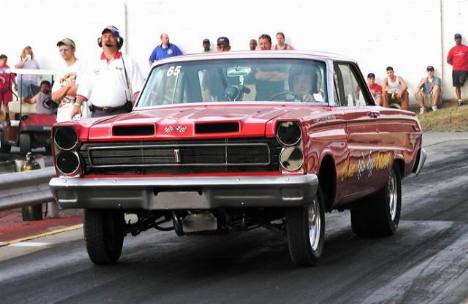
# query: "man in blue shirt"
x,y
164,50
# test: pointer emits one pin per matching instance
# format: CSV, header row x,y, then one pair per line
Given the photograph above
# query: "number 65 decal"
x,y
173,71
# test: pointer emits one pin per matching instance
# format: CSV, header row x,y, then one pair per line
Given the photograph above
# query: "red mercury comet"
x,y
235,141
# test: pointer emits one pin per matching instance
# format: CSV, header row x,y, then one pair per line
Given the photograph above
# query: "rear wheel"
x,y
379,214
25,143
5,147
104,235
306,231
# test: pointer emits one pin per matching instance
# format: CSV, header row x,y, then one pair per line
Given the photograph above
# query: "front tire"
x,y
305,228
104,233
379,214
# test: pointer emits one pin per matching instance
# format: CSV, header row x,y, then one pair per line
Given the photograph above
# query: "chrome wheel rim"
x,y
314,224
392,196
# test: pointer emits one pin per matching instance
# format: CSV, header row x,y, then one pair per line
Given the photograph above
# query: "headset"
x,y
120,42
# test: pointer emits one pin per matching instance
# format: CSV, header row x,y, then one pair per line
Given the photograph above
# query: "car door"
x,y
359,176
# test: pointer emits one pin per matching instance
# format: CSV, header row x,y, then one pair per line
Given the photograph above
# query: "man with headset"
x,y
112,83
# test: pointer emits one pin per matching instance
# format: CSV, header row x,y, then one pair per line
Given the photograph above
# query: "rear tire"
x,y
379,214
25,143
5,147
305,227
104,235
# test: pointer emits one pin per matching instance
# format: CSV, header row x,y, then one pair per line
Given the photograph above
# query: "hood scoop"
x,y
134,130
224,127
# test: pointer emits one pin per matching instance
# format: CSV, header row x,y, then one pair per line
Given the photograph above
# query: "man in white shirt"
x,y
112,83
64,88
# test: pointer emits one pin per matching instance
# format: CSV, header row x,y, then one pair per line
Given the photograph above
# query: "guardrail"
x,y
28,188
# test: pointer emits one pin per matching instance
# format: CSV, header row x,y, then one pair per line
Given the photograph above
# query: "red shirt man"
x,y
458,58
375,88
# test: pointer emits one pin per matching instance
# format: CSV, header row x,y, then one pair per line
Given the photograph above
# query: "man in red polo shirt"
x,y
112,83
458,58
375,88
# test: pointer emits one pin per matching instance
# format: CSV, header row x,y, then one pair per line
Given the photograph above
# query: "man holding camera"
x,y
111,84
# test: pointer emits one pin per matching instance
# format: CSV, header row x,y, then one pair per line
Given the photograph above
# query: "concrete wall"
x,y
407,34
454,20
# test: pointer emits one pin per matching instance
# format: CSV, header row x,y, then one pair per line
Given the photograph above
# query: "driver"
x,y
301,83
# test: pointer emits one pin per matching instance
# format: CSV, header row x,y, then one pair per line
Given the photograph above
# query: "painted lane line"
x,y
10,243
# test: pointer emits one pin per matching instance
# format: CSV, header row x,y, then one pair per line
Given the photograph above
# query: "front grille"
x,y
227,155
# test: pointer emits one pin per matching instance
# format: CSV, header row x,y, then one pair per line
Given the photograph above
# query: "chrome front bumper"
x,y
166,193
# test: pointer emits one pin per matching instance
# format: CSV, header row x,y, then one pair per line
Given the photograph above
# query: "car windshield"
x,y
239,80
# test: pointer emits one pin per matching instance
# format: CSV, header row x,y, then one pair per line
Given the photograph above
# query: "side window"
x,y
353,96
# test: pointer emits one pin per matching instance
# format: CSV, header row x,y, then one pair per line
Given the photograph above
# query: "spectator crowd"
x,y
111,83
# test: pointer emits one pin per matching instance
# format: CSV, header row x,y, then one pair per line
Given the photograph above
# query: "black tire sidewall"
x,y
104,234
297,220
370,217
393,224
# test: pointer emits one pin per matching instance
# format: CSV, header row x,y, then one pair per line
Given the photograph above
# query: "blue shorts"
x,y
459,77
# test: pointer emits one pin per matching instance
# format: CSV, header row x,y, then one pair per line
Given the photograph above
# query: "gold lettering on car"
x,y
365,165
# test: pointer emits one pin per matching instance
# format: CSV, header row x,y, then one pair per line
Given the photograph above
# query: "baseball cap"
x,y
222,40
206,41
66,41
112,29
371,75
458,36
430,68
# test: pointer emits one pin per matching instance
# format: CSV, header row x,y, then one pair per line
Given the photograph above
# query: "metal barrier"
x,y
25,188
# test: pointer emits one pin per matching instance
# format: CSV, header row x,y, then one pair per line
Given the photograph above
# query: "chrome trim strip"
x,y
176,146
178,181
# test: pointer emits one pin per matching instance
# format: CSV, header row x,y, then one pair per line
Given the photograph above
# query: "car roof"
x,y
293,54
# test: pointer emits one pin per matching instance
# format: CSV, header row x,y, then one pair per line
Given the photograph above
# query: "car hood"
x,y
199,121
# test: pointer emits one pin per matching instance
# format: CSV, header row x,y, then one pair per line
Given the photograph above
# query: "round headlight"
x,y
291,158
68,162
288,133
65,138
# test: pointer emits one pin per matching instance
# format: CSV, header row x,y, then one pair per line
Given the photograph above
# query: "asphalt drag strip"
x,y
426,261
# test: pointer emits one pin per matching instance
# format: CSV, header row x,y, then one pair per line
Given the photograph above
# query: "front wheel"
x,y
104,232
306,231
379,214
